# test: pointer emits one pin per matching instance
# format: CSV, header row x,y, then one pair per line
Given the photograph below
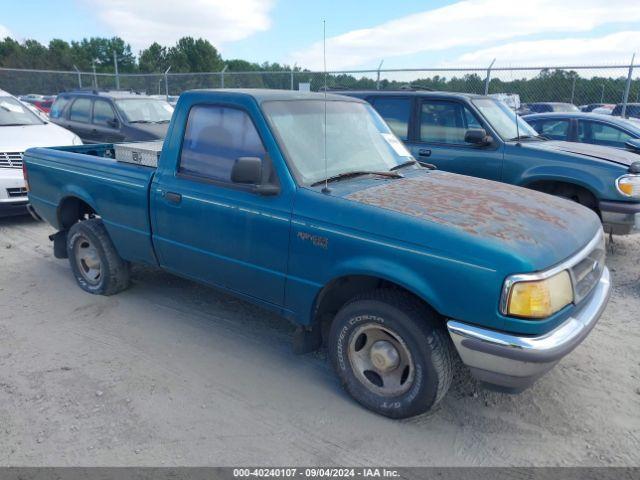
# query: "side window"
x,y
214,138
80,110
442,121
601,134
553,129
396,111
58,106
103,113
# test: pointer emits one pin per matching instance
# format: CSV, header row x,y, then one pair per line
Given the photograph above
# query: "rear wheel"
x,y
390,353
95,263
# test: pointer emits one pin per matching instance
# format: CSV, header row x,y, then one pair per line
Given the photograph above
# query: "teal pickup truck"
x,y
308,205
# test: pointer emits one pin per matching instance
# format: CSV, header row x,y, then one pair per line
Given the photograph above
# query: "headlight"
x,y
537,298
629,185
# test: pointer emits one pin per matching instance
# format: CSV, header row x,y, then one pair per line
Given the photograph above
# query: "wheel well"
x,y
71,210
568,190
340,290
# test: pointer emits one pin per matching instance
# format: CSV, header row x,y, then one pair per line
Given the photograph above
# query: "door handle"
x,y
424,152
172,197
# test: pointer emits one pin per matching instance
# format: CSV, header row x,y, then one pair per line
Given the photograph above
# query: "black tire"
x,y
419,332
113,271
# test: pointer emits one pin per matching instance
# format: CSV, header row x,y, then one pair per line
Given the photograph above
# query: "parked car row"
x,y
482,137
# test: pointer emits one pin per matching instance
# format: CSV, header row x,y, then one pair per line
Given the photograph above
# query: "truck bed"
x,y
90,173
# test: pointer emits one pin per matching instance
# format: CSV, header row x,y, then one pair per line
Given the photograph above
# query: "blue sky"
x,y
405,34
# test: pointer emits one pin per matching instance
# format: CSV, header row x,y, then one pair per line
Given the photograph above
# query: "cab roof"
x,y
263,95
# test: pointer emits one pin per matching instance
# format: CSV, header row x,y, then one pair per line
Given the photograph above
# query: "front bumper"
x,y
11,179
513,363
620,218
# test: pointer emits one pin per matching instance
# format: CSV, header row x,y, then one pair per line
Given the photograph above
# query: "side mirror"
x,y
633,144
249,171
477,136
113,123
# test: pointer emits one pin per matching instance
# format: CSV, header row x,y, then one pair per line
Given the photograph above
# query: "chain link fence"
x,y
572,84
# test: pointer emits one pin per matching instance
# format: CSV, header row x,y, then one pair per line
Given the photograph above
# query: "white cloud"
x,y
466,24
613,48
142,22
4,32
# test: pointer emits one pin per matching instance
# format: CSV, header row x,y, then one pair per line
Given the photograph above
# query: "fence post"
x,y
166,82
115,66
292,70
222,76
625,97
378,78
573,88
79,76
95,77
488,77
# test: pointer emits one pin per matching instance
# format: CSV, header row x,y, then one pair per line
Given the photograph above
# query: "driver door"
x,y
439,139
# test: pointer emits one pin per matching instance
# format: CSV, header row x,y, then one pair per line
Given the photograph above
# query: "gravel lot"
x,y
173,373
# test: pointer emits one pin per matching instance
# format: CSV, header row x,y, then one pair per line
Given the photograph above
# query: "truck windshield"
x,y
145,110
357,139
14,113
503,119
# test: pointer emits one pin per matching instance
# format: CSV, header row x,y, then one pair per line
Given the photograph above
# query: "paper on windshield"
x,y
396,144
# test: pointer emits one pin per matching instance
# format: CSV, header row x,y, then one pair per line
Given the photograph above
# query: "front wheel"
x,y
390,354
95,263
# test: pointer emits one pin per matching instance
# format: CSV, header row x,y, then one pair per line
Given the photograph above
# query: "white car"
x,y
20,129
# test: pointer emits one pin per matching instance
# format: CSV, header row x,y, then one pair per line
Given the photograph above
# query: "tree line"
x,y
191,56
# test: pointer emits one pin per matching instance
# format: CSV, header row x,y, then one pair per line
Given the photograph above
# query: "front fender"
x,y
586,179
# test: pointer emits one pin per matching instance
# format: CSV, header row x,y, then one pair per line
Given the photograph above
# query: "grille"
x,y
10,160
17,192
586,273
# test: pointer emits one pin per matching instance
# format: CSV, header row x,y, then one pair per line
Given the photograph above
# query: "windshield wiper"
x,y
520,137
14,124
140,121
163,121
402,165
356,173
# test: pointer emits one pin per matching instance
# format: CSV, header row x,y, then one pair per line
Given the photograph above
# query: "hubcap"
x,y
381,360
88,260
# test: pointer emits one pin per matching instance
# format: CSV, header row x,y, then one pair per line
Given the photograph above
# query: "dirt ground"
x,y
173,373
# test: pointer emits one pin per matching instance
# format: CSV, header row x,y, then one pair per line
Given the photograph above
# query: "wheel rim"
x,y
381,360
88,260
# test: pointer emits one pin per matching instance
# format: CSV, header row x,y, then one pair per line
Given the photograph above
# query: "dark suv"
x,y
111,117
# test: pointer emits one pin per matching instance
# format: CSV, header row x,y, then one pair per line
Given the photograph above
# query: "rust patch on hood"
x,y
476,206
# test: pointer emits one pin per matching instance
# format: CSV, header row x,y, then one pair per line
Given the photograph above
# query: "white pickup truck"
x,y
21,129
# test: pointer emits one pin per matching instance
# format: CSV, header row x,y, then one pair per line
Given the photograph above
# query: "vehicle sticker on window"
x,y
396,144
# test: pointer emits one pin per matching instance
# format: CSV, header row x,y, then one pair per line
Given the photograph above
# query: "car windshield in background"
x,y
14,113
357,139
503,119
145,110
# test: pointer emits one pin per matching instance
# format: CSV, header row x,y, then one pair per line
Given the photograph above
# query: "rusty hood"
x,y
538,227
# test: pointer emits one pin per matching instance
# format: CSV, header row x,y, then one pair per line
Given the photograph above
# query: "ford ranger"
x,y
308,205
